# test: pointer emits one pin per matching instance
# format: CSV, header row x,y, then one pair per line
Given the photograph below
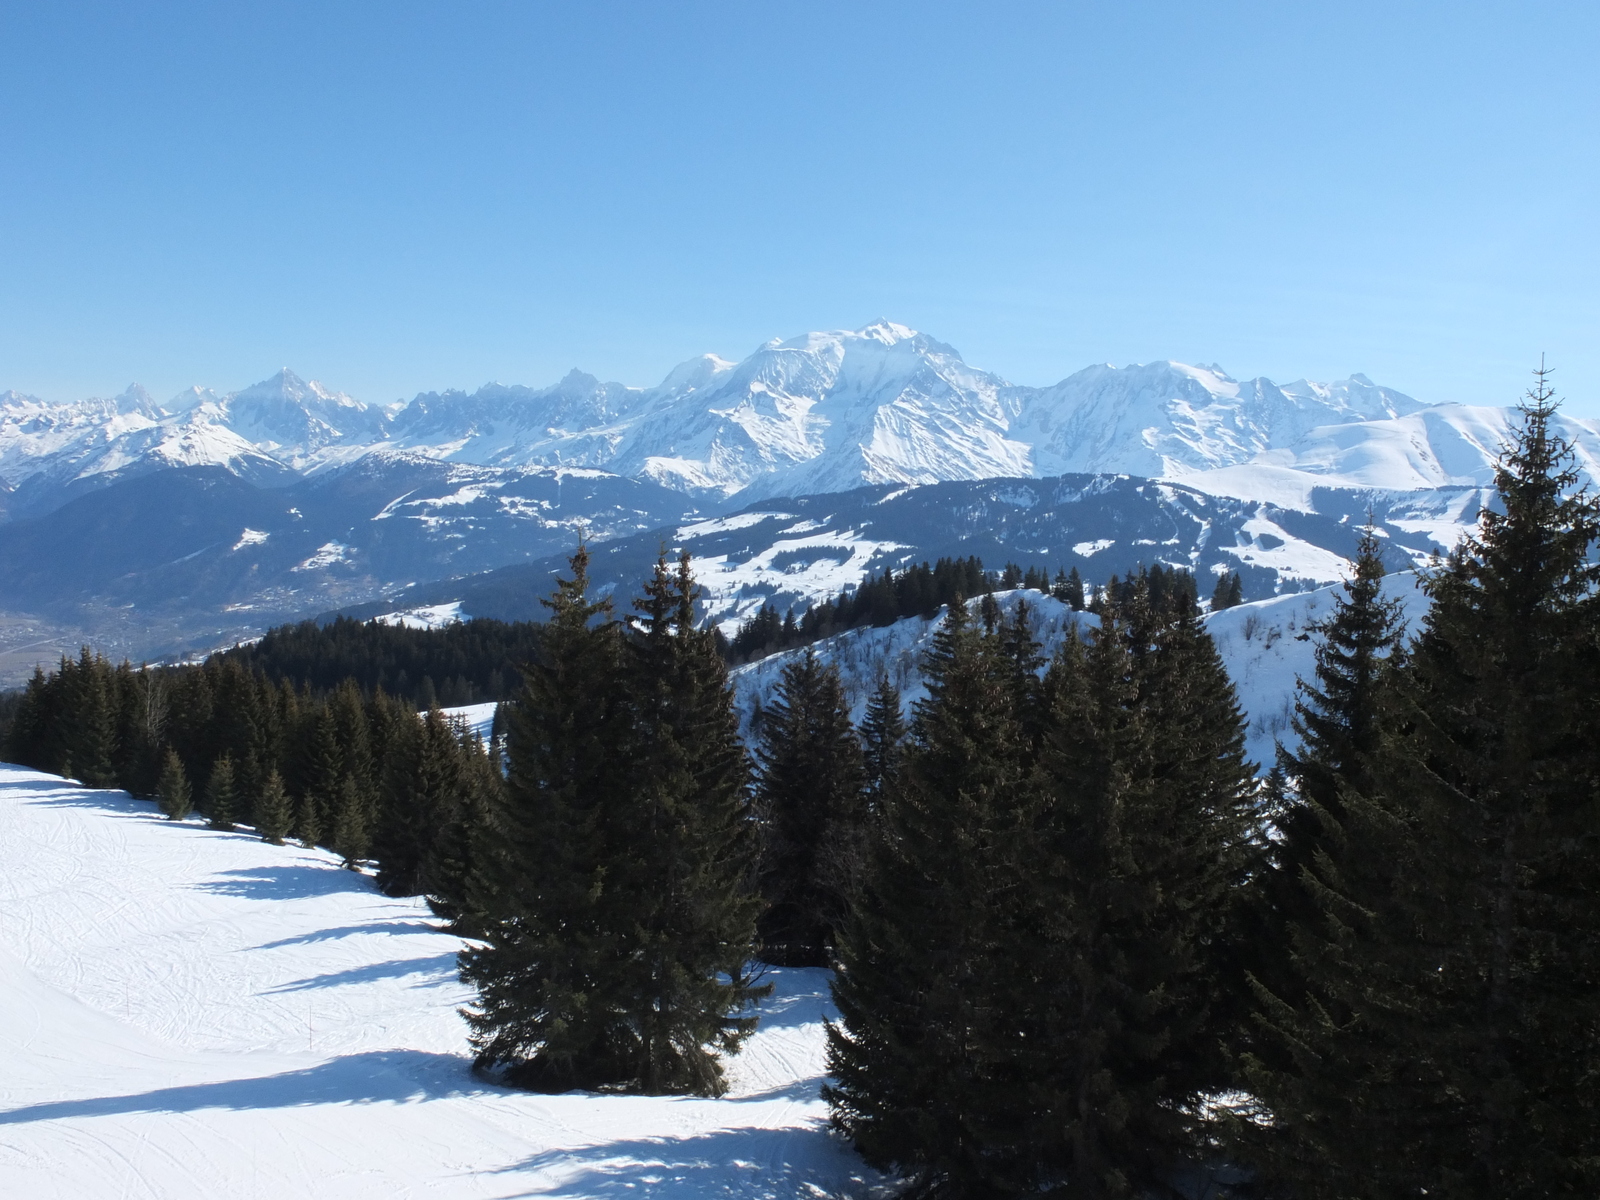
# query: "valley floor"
x,y
187,1013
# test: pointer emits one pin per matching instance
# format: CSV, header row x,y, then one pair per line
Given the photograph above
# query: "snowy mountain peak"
x,y
286,387
134,399
887,332
694,374
191,398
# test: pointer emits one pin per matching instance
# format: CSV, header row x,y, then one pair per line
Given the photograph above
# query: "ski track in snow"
x,y
188,1013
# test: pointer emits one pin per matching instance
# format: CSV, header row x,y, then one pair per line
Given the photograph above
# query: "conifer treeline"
x,y
465,662
366,776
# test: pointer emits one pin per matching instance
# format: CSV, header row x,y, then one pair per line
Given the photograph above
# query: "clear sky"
x,y
392,197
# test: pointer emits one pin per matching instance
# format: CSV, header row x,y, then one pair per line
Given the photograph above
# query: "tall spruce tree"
x,y
322,767
351,839
547,973
809,796
93,738
274,812
883,731
455,858
695,911
615,886
222,799
1450,1032
424,784
1141,841
933,1070
308,821
1073,592
1338,720
172,792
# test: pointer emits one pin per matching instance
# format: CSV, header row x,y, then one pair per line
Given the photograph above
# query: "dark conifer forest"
x,y
1079,947
467,662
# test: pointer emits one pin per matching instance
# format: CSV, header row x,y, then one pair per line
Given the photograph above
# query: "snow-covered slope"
x,y
1265,648
1262,644
185,1013
1444,446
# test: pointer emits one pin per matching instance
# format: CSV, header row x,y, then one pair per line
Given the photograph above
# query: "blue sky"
x,y
393,197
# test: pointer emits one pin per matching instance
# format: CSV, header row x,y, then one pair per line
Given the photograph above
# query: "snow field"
x,y
187,1013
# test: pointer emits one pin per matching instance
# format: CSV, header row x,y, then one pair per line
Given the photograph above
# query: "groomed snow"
x,y
186,1013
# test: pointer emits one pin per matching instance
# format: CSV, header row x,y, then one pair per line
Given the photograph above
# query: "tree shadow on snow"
x,y
374,1077
327,935
285,882
749,1162
439,969
55,791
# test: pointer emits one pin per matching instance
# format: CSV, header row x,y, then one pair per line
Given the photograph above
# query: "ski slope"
x,y
187,1013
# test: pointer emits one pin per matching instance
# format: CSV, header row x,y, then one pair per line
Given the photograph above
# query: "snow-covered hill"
x,y
186,1013
1262,645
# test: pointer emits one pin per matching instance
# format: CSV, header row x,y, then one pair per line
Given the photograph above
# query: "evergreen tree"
x,y
34,728
933,1068
1144,843
808,794
274,812
308,821
1228,592
424,795
454,862
173,792
1337,724
554,959
615,894
694,910
93,740
883,731
1073,591
1447,1042
322,767
221,805
350,837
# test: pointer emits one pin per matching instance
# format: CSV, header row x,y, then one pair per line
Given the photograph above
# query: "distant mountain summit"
x,y
823,412
1165,418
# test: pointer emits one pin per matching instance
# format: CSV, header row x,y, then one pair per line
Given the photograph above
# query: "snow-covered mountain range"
x,y
150,528
822,412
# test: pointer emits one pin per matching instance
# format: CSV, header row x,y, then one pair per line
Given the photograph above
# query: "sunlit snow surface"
x,y
479,718
186,1013
431,616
